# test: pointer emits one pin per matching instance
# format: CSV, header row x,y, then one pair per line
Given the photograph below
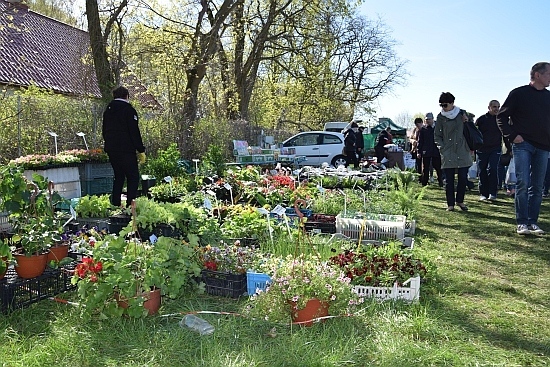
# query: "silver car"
x,y
318,147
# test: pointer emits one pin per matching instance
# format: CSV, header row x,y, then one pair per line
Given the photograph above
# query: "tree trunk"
x,y
103,72
189,111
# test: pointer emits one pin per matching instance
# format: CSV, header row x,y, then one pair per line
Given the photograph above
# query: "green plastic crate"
x,y
97,186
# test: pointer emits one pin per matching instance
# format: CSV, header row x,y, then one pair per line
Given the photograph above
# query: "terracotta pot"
x,y
30,267
152,301
313,309
58,252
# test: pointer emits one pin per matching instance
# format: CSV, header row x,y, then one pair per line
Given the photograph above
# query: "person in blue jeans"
x,y
524,119
488,156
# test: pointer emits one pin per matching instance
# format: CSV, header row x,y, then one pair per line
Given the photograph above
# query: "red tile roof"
x,y
35,49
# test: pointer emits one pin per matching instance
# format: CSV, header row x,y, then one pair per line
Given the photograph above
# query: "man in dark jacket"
x,y
122,141
360,143
488,155
350,144
427,150
383,138
524,120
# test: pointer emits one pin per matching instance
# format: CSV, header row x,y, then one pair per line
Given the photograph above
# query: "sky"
x,y
478,50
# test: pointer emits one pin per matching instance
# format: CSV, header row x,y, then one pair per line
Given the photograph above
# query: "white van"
x,y
337,127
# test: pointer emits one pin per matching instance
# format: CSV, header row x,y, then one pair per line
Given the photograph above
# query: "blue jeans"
x,y
488,171
531,166
546,185
450,185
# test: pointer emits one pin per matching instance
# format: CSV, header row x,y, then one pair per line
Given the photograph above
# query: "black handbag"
x,y
473,136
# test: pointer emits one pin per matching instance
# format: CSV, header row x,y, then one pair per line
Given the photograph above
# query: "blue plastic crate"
x,y
290,212
256,281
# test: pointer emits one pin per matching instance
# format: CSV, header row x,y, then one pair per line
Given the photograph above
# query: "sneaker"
x,y
482,198
492,197
522,229
534,229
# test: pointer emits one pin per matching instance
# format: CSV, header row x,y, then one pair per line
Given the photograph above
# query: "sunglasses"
x,y
444,105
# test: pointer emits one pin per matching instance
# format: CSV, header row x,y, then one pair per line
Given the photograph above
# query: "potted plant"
x,y
126,273
225,266
36,226
384,266
303,283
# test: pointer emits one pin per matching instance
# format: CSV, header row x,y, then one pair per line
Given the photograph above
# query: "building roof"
x,y
35,49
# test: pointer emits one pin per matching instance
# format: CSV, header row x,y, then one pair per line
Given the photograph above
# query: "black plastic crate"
x,y
224,284
17,293
322,227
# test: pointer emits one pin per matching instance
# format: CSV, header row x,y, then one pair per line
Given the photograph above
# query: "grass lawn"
x,y
487,304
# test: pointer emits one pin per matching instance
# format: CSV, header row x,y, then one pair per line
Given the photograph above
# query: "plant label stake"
x,y
264,211
345,201
228,187
169,180
364,198
213,194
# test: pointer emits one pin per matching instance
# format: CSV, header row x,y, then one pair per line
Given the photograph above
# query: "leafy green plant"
x,y
93,206
5,256
384,265
31,204
213,162
130,267
166,163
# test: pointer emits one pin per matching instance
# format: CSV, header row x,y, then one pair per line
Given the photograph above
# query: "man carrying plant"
x,y
524,120
122,141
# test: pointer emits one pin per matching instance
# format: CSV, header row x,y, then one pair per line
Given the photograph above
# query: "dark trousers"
x,y
351,157
380,153
125,167
417,162
436,164
450,185
488,171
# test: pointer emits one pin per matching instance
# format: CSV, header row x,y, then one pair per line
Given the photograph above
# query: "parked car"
x,y
318,147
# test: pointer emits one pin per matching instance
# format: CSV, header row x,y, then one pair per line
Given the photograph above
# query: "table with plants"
x,y
202,233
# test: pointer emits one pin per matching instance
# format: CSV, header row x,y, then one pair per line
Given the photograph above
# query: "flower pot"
x,y
151,303
30,266
312,310
58,252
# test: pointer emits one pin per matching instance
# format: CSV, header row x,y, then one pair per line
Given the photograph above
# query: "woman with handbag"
x,y
456,157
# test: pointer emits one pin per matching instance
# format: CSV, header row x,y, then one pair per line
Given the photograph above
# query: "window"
x,y
303,140
331,139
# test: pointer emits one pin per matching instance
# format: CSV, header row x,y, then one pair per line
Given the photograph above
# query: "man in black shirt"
x,y
488,155
122,141
524,120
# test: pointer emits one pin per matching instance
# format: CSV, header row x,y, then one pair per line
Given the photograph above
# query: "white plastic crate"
x,y
56,175
384,227
68,190
410,293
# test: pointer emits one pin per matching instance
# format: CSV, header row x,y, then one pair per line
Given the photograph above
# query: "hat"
x,y
354,124
429,115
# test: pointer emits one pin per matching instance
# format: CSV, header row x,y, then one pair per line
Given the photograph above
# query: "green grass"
x,y
487,304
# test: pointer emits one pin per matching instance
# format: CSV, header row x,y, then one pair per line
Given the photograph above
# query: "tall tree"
x,y
104,68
